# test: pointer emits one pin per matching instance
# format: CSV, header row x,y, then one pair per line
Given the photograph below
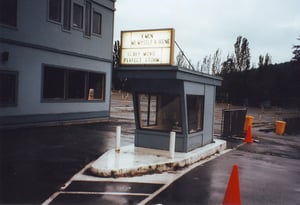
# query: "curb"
x,y
135,161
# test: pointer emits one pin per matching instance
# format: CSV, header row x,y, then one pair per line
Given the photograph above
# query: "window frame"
x,y
15,16
74,26
102,86
66,85
67,16
162,112
199,123
57,21
15,75
100,23
88,19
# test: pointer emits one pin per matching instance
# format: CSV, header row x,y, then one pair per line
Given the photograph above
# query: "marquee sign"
x,y
147,47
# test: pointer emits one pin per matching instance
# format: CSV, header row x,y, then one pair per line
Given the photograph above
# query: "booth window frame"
x,y
156,112
195,113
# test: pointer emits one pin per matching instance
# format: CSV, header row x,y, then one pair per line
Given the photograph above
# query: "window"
x,y
195,109
97,83
97,18
76,84
77,16
88,9
67,15
54,83
55,10
148,110
8,12
8,88
67,84
159,112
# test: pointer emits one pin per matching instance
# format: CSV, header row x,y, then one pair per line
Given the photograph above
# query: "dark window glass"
x,y
53,83
88,10
97,18
55,10
148,110
96,86
64,84
8,88
67,15
159,112
77,16
76,84
8,12
195,108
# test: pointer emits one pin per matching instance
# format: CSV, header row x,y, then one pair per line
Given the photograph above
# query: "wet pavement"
x,y
91,193
264,179
35,162
38,163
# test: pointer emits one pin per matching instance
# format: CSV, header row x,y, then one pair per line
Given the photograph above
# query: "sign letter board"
x,y
147,47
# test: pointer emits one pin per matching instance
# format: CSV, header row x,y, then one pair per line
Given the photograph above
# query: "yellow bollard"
x,y
280,127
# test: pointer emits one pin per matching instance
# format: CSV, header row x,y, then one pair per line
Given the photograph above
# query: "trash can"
x,y
280,127
248,121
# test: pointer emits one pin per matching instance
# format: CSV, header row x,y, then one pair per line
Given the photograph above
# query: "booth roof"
x,y
167,72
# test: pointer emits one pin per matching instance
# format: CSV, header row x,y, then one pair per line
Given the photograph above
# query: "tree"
x,y
260,61
117,83
228,66
296,52
264,61
242,54
268,60
180,60
216,62
206,64
116,54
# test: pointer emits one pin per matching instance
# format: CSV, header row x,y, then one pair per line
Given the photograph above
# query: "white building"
x,y
54,53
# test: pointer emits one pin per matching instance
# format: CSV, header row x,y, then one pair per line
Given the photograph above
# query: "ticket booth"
x,y
170,98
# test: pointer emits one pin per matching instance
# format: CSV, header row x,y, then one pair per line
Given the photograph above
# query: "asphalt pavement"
x,y
50,165
269,173
36,162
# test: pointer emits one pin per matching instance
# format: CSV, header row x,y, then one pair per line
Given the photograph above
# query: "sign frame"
x,y
145,49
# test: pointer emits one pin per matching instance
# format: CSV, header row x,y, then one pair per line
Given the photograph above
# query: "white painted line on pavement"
x,y
186,170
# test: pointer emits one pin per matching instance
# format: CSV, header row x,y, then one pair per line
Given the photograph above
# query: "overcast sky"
x,y
203,26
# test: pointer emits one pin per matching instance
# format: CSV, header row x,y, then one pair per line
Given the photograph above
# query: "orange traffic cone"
x,y
232,194
248,137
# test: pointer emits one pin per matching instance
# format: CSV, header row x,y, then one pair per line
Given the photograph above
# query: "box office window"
x,y
195,110
76,84
159,112
68,84
8,88
54,83
96,85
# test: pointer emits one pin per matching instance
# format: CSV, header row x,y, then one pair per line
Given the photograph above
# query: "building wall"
x,y
206,136
36,41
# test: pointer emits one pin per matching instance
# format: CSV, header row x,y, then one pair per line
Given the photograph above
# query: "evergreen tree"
x,y
296,52
264,61
180,60
216,62
242,54
116,54
260,61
